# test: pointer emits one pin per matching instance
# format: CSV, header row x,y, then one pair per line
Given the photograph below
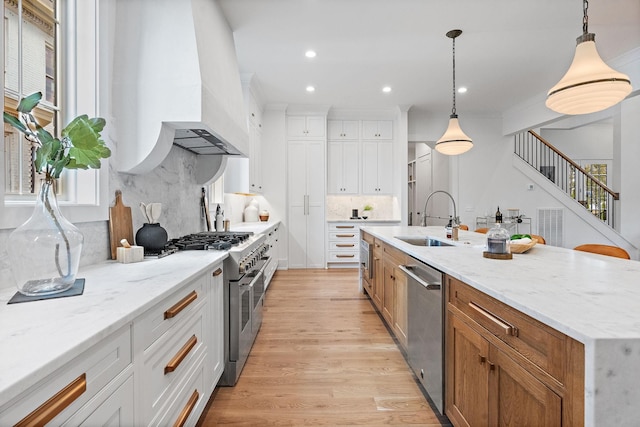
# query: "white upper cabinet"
x,y
377,129
306,126
343,171
343,130
377,168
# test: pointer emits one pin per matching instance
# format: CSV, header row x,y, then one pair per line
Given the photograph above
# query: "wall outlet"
x,y
529,187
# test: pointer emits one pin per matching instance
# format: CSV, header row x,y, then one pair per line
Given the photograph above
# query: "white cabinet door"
x,y
306,190
342,168
216,323
255,158
377,167
377,129
306,127
343,130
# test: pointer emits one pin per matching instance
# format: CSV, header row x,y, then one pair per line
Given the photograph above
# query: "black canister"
x,y
152,237
354,213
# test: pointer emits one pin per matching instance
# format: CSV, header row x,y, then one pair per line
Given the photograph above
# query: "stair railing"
x,y
567,175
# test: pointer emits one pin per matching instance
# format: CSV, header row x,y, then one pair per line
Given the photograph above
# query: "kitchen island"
x,y
591,298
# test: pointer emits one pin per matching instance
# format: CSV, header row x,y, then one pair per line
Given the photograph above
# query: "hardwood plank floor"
x,y
322,357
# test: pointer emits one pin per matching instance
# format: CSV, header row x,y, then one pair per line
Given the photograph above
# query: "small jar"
x,y
498,240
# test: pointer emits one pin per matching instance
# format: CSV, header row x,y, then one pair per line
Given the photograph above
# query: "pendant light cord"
x,y
585,19
453,110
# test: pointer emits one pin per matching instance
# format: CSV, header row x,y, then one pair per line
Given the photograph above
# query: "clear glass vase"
x,y
45,250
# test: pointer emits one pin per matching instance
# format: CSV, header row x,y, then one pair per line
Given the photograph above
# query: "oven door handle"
x,y
255,279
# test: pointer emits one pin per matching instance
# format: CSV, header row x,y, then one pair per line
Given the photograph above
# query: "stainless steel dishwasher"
x,y
425,335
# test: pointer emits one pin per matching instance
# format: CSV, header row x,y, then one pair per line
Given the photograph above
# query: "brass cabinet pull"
x,y
345,235
186,411
217,272
345,245
507,328
344,226
180,355
345,256
180,305
58,403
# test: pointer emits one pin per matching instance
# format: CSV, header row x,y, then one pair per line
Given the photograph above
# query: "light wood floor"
x,y
322,357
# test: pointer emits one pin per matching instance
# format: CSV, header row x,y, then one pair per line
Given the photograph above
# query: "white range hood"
x,y
176,82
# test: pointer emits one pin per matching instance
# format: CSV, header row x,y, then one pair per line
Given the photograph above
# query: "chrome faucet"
x,y
456,220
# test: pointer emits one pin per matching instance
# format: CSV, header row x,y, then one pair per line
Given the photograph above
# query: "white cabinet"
x,y
306,195
343,243
273,240
343,171
255,157
95,383
377,129
306,127
215,362
343,130
377,168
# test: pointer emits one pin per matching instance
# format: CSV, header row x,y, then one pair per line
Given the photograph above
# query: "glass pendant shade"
x,y
454,141
589,85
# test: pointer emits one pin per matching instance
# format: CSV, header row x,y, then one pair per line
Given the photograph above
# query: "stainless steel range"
x,y
243,291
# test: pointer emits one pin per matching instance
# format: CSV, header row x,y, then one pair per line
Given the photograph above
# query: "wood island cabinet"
x,y
378,274
506,369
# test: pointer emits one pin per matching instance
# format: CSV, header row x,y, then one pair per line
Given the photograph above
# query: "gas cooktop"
x,y
217,240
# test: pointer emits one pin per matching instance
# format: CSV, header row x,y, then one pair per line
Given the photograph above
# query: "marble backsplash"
x,y
384,207
173,184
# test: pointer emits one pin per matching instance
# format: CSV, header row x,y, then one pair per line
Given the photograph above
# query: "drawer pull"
x,y
345,235
181,305
507,328
217,272
345,245
345,256
344,226
180,355
58,403
186,411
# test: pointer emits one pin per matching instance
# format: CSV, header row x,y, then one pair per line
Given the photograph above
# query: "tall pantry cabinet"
x,y
306,178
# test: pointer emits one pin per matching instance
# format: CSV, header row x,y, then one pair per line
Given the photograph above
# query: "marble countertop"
x,y
364,221
38,337
592,298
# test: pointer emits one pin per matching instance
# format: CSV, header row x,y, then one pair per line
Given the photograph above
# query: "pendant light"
x,y
589,85
454,141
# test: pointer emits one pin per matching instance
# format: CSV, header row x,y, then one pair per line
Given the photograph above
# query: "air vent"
x,y
550,225
201,141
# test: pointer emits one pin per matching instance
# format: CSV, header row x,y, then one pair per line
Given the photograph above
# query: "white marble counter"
x,y
39,337
364,221
595,299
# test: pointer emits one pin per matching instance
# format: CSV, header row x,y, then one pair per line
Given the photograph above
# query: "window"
x,y
30,52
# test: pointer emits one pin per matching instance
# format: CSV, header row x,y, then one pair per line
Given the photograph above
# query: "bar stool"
x,y
609,250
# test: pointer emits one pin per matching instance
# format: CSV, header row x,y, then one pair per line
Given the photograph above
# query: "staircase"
x,y
576,182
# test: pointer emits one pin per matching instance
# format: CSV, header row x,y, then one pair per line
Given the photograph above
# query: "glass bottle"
x,y
498,216
45,250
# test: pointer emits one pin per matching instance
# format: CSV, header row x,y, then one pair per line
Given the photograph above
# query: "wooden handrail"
x,y
614,195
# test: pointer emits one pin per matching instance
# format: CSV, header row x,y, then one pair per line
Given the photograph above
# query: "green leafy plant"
x,y
79,147
367,208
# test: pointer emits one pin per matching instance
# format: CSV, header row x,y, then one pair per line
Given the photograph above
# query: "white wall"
x,y
628,144
593,141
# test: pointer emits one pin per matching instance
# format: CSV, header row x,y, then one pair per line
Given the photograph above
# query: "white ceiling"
x,y
510,50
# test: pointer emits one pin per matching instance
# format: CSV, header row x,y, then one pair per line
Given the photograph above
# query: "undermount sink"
x,y
423,241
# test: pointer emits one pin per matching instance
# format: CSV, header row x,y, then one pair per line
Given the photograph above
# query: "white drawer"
x,y
168,361
188,401
83,378
344,227
343,256
115,410
172,310
349,236
343,246
270,270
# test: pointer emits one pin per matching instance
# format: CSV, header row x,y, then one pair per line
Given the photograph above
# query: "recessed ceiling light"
x,y
310,54
386,89
462,90
311,89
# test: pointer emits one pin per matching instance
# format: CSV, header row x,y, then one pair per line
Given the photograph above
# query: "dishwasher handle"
x,y
430,286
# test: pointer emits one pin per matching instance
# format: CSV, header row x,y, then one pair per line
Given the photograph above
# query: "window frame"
x,y
84,75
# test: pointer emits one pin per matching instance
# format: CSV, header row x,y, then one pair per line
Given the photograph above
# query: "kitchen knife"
x,y
205,208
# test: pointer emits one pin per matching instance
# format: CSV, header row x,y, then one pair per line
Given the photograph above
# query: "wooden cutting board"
x,y
120,224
